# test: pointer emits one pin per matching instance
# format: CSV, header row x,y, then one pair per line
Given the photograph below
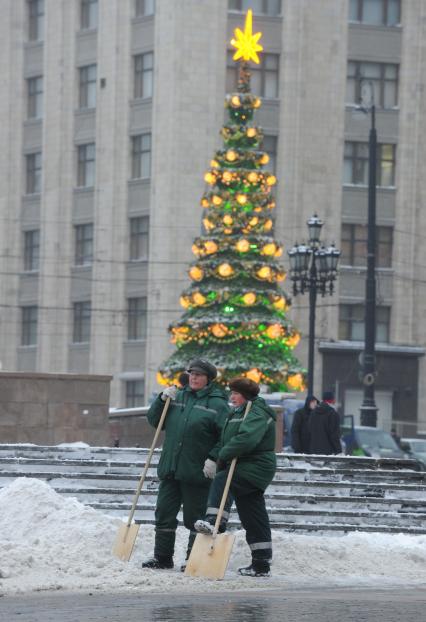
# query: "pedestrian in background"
x,y
325,427
300,429
193,428
251,440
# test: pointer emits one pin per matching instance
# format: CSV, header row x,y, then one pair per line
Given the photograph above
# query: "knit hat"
x,y
203,367
248,388
328,396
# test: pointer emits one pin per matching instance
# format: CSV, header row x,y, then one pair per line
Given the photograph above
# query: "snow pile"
x,y
51,542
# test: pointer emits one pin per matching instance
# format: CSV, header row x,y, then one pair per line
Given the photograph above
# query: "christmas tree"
x,y
235,308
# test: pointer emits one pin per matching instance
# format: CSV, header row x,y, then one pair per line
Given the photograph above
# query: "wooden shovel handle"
x,y
227,485
148,460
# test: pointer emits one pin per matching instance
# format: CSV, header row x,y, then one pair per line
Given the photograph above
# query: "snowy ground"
x,y
48,542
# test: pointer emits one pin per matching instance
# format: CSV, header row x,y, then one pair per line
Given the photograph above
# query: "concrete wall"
x,y
48,409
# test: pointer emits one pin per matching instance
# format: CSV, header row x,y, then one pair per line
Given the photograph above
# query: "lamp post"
x,y
313,268
368,374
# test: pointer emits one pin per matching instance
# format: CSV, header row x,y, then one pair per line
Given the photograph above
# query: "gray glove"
x,y
169,392
209,468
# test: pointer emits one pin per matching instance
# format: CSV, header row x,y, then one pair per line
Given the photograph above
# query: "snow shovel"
x,y
210,554
127,533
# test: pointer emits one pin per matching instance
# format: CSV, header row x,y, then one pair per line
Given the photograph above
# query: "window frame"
x,y
261,70
137,311
355,312
83,244
141,73
33,172
35,13
29,325
31,255
241,8
132,396
82,319
355,159
139,238
141,156
87,86
88,15
385,13
86,166
352,238
141,8
358,78
34,97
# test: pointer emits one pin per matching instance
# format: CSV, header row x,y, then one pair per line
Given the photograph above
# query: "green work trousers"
x,y
173,494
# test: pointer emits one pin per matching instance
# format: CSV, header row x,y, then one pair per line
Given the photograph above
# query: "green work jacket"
x,y
193,428
252,441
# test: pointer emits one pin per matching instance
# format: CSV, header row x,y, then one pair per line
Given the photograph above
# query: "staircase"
x,y
309,493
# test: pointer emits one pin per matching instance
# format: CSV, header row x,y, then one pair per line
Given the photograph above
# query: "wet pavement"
x,y
321,605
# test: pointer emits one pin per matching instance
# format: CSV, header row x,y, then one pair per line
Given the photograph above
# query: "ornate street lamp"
x,y
313,268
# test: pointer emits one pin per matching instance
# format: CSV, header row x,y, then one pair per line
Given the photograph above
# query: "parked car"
x,y
366,441
416,448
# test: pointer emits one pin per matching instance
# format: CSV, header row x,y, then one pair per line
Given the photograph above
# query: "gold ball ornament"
x,y
196,273
251,132
253,221
264,273
249,299
209,178
269,249
267,225
264,159
235,101
295,382
253,177
208,224
196,250
274,331
214,163
231,155
216,200
271,180
241,199
204,203
257,102
210,247
254,374
242,246
199,299
293,340
184,301
280,304
225,270
227,220
219,330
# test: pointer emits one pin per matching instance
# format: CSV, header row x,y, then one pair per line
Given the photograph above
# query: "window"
x,y
33,172
259,7
141,156
382,76
81,322
270,146
352,323
136,319
354,246
83,244
89,14
135,393
264,77
375,12
139,238
35,98
355,169
86,165
31,250
35,20
87,86
144,75
144,8
29,326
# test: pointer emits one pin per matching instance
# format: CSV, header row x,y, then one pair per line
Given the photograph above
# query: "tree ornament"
x,y
249,298
243,246
264,273
271,180
225,270
210,178
216,200
210,247
241,198
199,299
269,249
274,331
196,273
251,132
219,330
254,374
231,155
228,220
235,101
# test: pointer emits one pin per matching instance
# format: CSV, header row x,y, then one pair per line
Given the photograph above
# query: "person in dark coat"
x,y
251,440
300,430
325,427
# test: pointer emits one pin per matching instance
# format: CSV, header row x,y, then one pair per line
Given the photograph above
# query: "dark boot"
x,y
158,562
258,568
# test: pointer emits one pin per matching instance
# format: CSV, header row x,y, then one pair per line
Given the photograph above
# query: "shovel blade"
x,y
125,541
207,562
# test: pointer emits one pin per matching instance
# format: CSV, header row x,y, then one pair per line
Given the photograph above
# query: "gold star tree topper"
x,y
246,42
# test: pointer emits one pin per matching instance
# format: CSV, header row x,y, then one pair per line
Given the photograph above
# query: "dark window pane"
x,y
81,322
135,393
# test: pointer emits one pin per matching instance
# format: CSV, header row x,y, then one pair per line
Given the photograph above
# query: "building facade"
x,y
110,113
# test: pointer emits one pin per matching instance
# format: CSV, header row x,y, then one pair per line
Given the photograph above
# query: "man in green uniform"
x,y
252,442
193,428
